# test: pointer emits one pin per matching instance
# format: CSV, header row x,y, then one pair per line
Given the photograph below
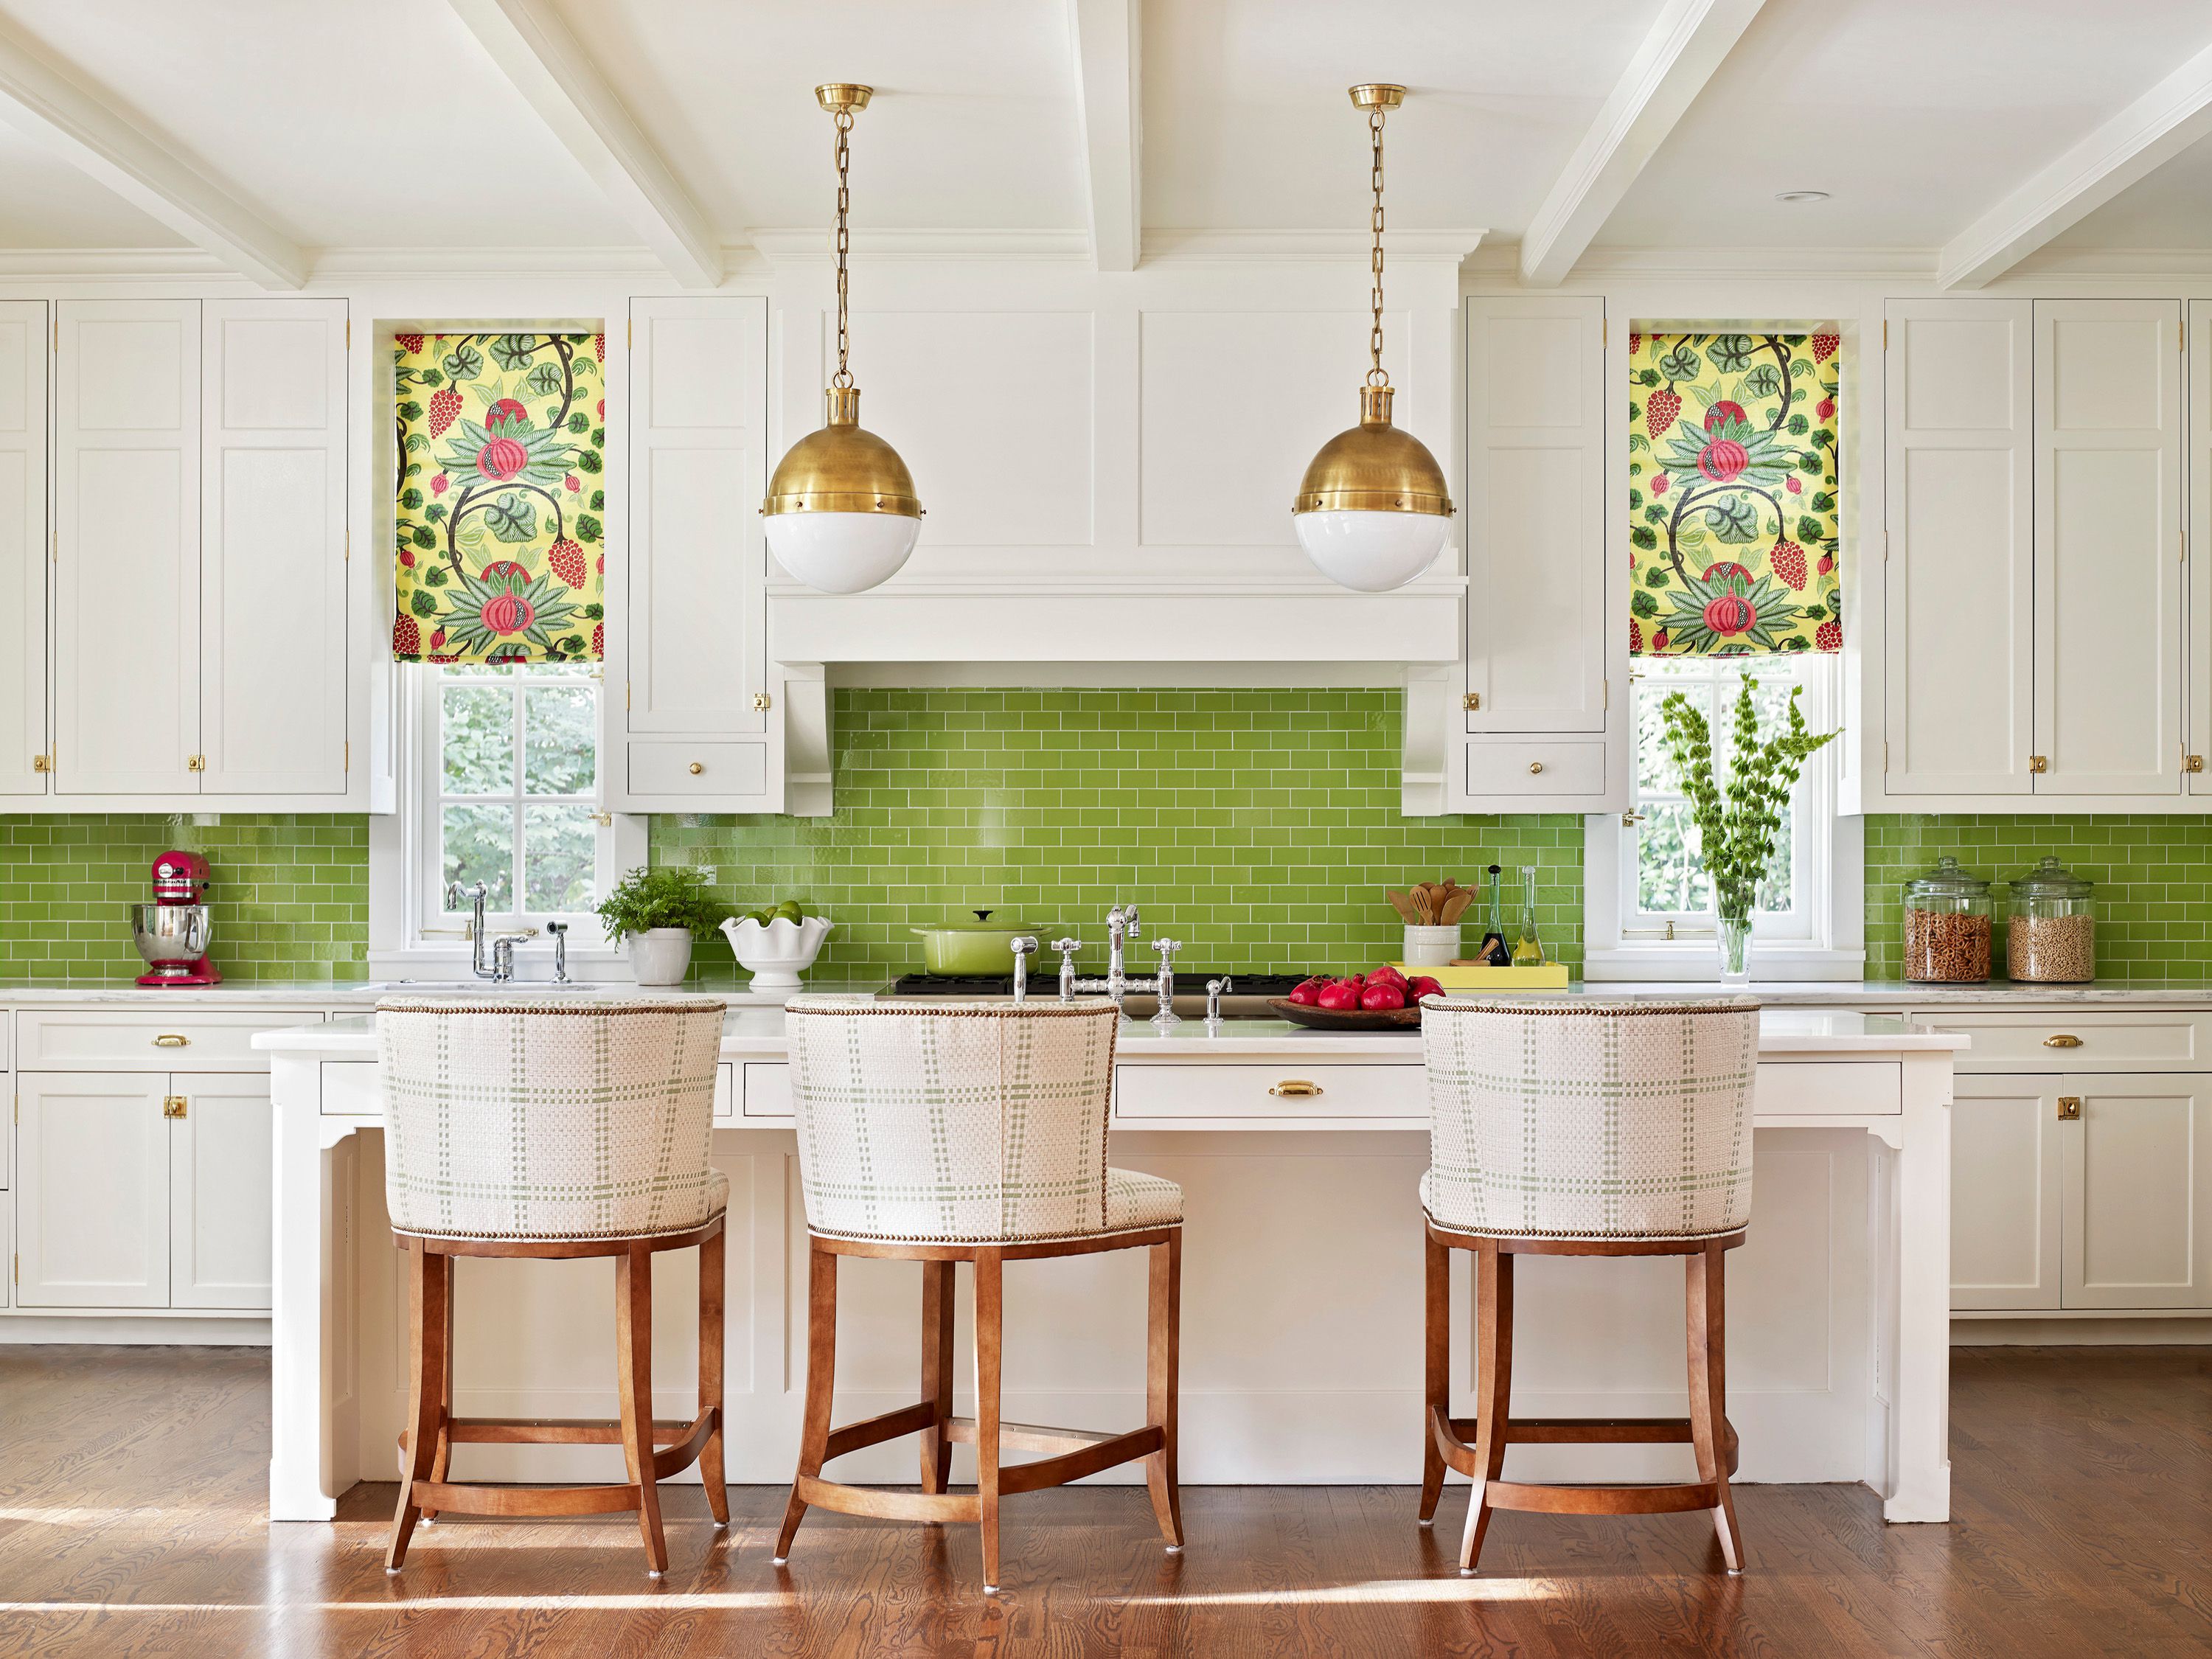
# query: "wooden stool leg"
x,y
1707,1314
821,1370
1436,1332
990,1337
442,1461
633,1342
1164,1328
937,1301
428,1280
1493,1390
713,1287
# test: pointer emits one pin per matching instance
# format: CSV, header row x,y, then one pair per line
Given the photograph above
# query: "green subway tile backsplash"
x,y
1259,827
291,893
2153,877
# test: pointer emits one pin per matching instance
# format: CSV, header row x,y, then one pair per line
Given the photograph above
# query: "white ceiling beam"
x,y
2134,143
1685,46
535,50
100,142
1109,101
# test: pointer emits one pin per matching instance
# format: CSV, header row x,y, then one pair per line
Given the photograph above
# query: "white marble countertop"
x,y
757,1034
341,994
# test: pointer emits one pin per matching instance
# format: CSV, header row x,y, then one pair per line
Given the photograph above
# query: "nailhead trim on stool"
x,y
1588,1119
531,1119
969,1122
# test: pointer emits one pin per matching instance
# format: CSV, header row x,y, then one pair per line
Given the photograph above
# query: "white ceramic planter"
x,y
776,955
660,956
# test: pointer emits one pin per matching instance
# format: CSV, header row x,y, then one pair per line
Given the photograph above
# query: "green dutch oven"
x,y
980,947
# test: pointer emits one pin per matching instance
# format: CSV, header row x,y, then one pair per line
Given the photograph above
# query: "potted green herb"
x,y
1736,826
659,911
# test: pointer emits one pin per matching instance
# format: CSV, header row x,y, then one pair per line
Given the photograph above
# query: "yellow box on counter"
x,y
1481,977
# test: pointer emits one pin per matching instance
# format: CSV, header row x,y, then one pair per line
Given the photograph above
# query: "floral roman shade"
x,y
501,497
1732,469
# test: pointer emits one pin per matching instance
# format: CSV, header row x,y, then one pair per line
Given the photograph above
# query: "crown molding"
x,y
2115,262
1902,264
1163,245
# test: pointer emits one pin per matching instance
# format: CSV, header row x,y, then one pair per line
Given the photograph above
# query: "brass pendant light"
x,y
840,508
1373,509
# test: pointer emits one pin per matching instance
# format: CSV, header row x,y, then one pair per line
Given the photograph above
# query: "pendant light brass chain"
x,y
844,153
1377,375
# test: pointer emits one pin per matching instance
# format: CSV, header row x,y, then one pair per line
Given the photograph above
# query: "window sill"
x,y
595,965
1695,959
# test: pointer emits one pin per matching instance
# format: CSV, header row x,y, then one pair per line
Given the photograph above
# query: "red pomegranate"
x,y
1659,482
1826,409
1727,614
508,613
1793,486
1722,461
501,412
1722,410
441,484
1724,570
503,458
1659,641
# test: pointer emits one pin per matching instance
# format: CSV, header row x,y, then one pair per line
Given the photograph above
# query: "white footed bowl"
x,y
778,954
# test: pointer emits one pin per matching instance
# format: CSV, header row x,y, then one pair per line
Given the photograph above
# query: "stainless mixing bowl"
x,y
168,936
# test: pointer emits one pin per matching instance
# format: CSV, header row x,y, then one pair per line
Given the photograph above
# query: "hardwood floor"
x,y
131,1487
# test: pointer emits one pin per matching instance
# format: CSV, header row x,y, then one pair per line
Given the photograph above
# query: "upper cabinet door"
x,y
272,572
127,571
2108,546
698,411
1959,689
1537,496
2199,565
23,547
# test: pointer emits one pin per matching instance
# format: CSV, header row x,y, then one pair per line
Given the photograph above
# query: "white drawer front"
x,y
190,1040
2102,1041
725,1093
351,1089
699,769
1536,766
1829,1088
767,1091
1292,1089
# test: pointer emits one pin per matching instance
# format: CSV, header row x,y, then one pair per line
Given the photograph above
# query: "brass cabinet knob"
x,y
2062,1040
2192,762
1472,702
2069,1107
697,768
1534,767
173,1106
760,703
1294,1088
2038,763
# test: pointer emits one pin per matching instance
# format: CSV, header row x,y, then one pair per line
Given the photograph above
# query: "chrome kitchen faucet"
x,y
501,969
1120,927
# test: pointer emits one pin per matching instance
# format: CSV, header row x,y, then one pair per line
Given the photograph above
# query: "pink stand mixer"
x,y
171,932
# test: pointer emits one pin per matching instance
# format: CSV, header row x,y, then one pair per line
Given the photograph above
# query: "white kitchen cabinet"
x,y
2138,1193
23,548
699,727
220,1167
271,651
126,562
2006,1192
92,1222
2197,567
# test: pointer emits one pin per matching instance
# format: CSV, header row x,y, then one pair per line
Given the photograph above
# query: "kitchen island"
x,y
1299,1153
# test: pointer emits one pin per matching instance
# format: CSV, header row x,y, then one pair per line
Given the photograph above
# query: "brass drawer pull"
x,y
2069,1107
171,1040
1294,1088
1534,767
2062,1041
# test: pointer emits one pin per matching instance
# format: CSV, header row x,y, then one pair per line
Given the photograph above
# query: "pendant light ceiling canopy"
x,y
1373,509
841,508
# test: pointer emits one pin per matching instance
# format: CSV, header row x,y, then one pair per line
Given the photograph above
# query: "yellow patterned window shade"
x,y
502,502
1732,469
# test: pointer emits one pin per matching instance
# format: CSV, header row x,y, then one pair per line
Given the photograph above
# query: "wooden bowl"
x,y
1346,1019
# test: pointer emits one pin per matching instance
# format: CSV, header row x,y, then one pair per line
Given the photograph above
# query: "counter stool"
x,y
972,1132
1582,1128
556,1129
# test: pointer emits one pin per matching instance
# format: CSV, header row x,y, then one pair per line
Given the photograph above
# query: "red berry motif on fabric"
x,y
445,407
441,484
1826,409
409,344
600,347
573,483
1824,347
1827,563
1635,345
567,562
1659,413
407,637
598,639
1829,636
1635,636
1659,482
1659,641
1789,561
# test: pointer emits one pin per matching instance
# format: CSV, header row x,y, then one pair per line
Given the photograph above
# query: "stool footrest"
x,y
1585,1431
1027,1437
1074,1464
884,1426
1600,1500
815,1492
550,1431
444,1495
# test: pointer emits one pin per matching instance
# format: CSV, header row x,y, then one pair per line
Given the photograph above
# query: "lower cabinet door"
x,y
221,1216
92,1198
2138,1172
2005,1192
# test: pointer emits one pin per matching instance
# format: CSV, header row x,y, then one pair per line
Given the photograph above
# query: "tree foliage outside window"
x,y
518,785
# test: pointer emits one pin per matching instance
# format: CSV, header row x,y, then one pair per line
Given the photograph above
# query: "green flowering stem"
x,y
1736,826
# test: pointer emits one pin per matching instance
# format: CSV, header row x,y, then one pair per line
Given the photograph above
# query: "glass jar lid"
x,y
2050,879
1947,880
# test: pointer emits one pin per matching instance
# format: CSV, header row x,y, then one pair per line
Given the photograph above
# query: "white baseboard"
x,y
2121,1331
134,1330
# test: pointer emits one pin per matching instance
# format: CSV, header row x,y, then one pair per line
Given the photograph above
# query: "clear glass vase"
x,y
1733,935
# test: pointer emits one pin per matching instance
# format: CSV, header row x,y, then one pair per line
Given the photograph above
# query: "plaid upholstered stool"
x,y
972,1132
1583,1128
554,1128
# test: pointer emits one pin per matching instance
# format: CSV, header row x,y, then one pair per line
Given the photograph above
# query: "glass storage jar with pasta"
x,y
1946,925
2050,927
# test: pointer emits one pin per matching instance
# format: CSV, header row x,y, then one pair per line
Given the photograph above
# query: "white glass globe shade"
x,y
1372,552
844,552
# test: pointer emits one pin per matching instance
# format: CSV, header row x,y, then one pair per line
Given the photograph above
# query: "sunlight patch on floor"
x,y
1376,1590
